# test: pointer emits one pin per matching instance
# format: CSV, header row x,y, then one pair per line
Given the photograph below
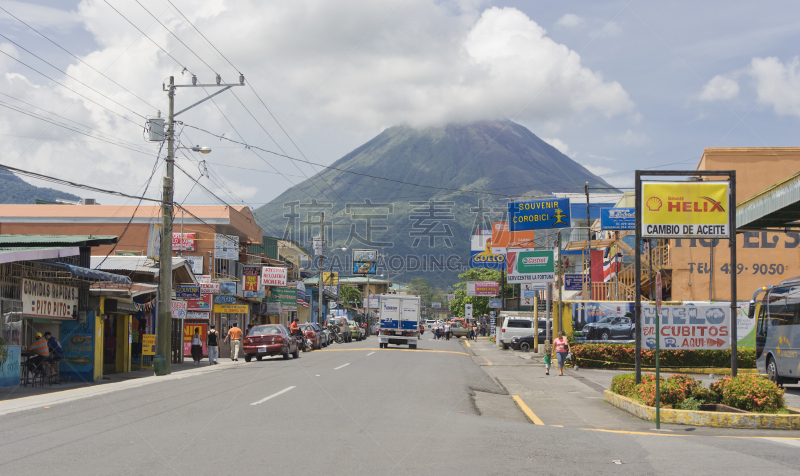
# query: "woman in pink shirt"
x,y
561,346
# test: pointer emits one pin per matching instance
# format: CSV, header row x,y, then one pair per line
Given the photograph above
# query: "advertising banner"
x,y
374,302
301,293
481,255
196,262
436,305
9,368
154,242
77,340
285,297
232,308
179,309
330,278
227,287
617,218
531,266
475,288
684,209
209,288
364,267
529,291
148,344
495,303
226,247
332,290
197,315
574,282
202,304
365,256
271,276
40,299
451,297
251,282
502,238
688,326
539,214
591,321
187,243
187,292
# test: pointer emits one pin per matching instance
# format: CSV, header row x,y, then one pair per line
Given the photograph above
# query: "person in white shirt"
x,y
447,330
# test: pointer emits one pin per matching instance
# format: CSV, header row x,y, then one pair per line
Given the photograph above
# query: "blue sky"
x,y
615,85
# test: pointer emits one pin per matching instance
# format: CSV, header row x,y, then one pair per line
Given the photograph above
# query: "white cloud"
x,y
39,16
629,138
719,88
777,84
570,20
558,144
340,71
614,177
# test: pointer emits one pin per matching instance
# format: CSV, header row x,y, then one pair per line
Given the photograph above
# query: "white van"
x,y
514,326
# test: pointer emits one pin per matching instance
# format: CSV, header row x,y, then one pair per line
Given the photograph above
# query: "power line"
x,y
77,58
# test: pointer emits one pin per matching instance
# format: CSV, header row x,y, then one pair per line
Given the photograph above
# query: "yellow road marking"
x,y
631,432
487,360
397,350
466,342
689,436
527,411
558,426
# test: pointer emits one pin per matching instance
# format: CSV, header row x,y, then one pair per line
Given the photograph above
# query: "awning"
x,y
775,207
34,253
90,273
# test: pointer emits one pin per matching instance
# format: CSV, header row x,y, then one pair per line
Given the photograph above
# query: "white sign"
x,y
154,242
179,309
273,308
688,326
209,288
318,246
436,305
373,301
196,262
40,299
468,311
196,315
226,247
271,276
365,256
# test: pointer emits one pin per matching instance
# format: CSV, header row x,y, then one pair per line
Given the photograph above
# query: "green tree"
x,y
480,305
350,296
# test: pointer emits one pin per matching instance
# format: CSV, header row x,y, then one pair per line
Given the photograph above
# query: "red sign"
x,y
185,244
202,304
251,277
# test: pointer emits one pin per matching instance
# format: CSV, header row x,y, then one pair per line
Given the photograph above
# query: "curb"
x,y
763,421
687,370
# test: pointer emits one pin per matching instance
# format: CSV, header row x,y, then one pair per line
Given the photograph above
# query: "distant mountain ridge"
x,y
468,170
15,190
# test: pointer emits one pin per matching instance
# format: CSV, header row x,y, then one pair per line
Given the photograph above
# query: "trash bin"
x,y
160,365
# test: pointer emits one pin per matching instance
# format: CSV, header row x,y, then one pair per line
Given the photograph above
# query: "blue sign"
x,y
78,342
9,370
495,303
227,287
538,214
224,299
574,282
187,292
617,218
363,267
485,259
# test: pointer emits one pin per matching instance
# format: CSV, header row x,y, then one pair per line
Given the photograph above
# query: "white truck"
x,y
399,320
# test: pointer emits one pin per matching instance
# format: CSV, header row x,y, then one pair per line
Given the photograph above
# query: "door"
x,y
409,314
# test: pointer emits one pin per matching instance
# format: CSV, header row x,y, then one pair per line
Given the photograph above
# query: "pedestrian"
x,y
234,337
562,350
548,349
447,330
213,345
197,347
421,329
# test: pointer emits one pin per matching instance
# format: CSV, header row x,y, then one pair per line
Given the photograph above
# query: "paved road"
x,y
352,409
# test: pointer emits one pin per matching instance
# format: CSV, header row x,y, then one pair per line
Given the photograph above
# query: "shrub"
x,y
749,392
674,390
623,356
623,384
690,403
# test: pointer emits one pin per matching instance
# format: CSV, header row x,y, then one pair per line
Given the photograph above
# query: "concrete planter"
x,y
762,421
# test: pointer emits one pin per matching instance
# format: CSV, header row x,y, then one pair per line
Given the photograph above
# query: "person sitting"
x,y
42,352
56,353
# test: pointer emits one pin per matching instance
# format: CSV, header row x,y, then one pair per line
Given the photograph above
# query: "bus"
x,y
778,331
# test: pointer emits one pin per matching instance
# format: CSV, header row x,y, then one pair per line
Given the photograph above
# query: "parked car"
x,y
340,322
514,326
526,343
608,328
269,340
326,336
313,334
429,323
355,329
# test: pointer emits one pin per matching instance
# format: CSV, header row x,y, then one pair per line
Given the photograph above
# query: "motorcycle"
x,y
303,342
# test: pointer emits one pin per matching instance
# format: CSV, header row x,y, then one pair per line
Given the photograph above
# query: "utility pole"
x,y
322,251
589,239
559,280
164,320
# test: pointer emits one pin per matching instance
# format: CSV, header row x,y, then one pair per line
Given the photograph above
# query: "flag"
x,y
610,264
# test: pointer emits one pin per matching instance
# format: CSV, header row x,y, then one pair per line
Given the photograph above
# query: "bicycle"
x,y
337,333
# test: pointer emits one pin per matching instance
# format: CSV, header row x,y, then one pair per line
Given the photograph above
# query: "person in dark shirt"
x,y
56,353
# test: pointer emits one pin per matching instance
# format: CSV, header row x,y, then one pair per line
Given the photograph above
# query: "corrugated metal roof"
x,y
56,240
774,207
32,253
139,264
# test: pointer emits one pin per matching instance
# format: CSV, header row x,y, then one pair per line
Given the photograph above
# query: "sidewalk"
x,y
576,399
17,399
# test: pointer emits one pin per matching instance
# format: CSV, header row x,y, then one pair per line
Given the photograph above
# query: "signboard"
x,y
232,308
209,288
272,276
489,288
186,243
574,282
531,266
196,262
273,308
481,255
226,247
688,326
40,299
227,287
201,304
436,305
187,292
539,214
332,290
374,301
9,368
365,256
468,311
154,242
684,209
589,319
529,291
301,293
179,309
148,344
330,278
285,297
451,297
495,303
365,267
222,299
617,218
251,282
502,238
318,243
196,315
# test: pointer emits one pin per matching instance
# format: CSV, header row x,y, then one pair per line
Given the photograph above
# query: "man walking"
x,y
447,330
235,338
213,345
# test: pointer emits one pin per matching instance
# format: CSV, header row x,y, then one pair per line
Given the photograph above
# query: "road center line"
x,y
370,354
273,395
339,367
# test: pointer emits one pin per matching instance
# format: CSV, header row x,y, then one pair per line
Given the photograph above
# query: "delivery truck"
x,y
399,320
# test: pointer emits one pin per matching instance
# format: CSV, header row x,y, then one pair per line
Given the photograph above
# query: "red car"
x,y
269,340
313,335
